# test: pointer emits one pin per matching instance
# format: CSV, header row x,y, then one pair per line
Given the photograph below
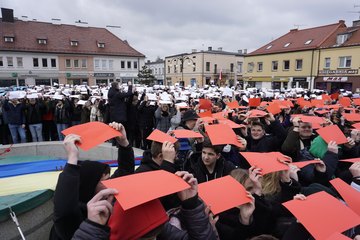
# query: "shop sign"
x,y
335,79
299,79
339,71
104,75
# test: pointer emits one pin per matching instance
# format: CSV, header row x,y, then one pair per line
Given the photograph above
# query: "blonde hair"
x,y
271,184
240,175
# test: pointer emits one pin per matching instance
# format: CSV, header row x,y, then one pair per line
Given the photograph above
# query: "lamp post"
x,y
182,59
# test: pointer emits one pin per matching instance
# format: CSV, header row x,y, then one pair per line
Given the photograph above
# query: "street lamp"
x,y
182,59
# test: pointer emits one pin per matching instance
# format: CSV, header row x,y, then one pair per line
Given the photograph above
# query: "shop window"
x,y
45,82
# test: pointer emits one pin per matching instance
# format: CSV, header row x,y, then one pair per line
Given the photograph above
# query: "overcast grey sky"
x,y
167,27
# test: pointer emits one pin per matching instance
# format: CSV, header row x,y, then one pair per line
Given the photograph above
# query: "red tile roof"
x,y
297,39
58,38
354,39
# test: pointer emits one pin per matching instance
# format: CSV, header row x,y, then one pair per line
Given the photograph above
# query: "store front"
x,y
104,78
335,83
300,82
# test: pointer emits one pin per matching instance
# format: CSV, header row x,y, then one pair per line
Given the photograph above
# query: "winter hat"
x,y
137,221
90,175
189,115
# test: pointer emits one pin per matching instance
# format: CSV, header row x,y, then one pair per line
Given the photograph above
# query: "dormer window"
x,y
9,39
268,47
101,45
42,41
341,38
308,42
287,44
74,43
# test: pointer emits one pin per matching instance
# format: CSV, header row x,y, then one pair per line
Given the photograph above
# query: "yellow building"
x,y
339,60
204,68
297,59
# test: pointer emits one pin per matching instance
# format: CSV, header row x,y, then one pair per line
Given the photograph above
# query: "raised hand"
x,y
192,181
122,140
71,149
168,152
99,207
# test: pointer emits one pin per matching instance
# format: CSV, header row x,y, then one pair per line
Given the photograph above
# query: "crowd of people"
x,y
84,209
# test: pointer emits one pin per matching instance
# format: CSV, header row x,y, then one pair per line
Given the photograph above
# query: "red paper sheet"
x,y
338,236
159,136
356,101
332,133
205,104
352,117
326,97
257,113
274,108
220,134
312,119
92,134
317,102
233,105
322,220
140,188
205,114
184,133
335,96
345,101
254,102
348,193
304,163
351,160
268,162
222,194
231,123
219,115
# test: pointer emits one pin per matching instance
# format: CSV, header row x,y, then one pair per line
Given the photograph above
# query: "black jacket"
x,y
222,168
146,115
34,112
268,143
91,230
117,104
15,114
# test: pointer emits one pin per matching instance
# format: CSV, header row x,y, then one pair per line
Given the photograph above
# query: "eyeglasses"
x,y
305,127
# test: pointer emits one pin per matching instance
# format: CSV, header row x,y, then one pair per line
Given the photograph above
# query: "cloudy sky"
x,y
167,27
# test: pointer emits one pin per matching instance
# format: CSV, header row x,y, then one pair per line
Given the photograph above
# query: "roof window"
x,y
308,42
9,39
268,47
287,44
101,45
42,41
74,43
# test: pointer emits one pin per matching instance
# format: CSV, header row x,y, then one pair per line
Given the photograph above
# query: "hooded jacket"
x,y
222,168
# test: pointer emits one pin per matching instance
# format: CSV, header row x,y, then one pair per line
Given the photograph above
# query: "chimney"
x,y
220,49
7,15
240,51
209,48
356,23
193,50
245,51
25,18
342,21
294,30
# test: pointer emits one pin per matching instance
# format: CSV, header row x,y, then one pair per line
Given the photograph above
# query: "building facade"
x,y
339,61
216,67
309,58
41,53
157,69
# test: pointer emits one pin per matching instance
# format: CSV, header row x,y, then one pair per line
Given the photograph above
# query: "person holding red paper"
x,y
211,164
258,141
79,182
